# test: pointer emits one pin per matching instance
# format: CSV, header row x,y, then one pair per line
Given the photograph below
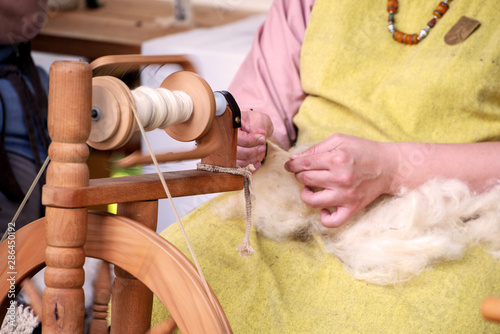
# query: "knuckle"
x,y
340,157
345,178
337,135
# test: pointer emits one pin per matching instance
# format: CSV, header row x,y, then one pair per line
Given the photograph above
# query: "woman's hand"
x,y
256,128
344,172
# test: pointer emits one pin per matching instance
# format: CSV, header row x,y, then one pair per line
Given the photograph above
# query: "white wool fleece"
x,y
392,240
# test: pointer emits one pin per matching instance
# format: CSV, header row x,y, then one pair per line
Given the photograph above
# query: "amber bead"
x,y
398,36
441,9
392,6
410,39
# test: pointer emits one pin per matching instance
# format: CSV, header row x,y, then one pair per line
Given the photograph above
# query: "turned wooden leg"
x,y
132,301
66,229
102,294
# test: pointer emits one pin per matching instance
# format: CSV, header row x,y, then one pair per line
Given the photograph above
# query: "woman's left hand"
x,y
344,172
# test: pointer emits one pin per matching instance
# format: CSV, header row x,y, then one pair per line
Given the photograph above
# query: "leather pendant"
x,y
461,30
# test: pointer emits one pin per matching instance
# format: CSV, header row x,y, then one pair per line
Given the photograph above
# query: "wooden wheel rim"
x,y
164,270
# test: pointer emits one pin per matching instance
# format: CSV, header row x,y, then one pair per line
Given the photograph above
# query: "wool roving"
x,y
392,240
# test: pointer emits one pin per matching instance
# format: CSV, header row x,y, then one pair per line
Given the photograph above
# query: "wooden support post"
x,y
69,118
225,156
132,301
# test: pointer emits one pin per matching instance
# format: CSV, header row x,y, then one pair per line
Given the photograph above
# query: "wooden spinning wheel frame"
x,y
145,262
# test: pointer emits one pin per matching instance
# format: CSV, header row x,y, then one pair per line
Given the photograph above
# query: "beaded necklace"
x,y
401,37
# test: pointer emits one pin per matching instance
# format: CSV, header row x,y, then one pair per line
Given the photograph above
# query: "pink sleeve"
x,y
268,80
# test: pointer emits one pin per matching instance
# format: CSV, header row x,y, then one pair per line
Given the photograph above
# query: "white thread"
x,y
185,104
142,102
172,107
27,196
167,191
160,108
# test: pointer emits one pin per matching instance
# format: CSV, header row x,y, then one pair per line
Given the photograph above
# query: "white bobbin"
x,y
161,108
184,106
203,101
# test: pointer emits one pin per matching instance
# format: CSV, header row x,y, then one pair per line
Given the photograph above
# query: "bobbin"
x,y
203,105
113,120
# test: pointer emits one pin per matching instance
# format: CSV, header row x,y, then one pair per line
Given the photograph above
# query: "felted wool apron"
x,y
362,82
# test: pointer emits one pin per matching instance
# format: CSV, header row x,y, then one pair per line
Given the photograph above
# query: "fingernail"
x,y
261,140
261,149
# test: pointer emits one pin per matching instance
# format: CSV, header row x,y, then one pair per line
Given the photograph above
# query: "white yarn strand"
x,y
172,107
160,108
185,104
167,191
143,105
27,196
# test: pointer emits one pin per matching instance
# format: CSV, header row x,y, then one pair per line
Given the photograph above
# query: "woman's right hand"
x,y
256,128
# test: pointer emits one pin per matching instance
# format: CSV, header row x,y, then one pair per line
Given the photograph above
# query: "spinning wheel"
x,y
145,261
117,240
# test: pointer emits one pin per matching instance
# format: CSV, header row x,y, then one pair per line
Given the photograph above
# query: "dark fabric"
x,y
34,105
25,172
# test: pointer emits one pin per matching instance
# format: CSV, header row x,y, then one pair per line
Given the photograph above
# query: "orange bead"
x,y
392,6
411,39
398,36
440,9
